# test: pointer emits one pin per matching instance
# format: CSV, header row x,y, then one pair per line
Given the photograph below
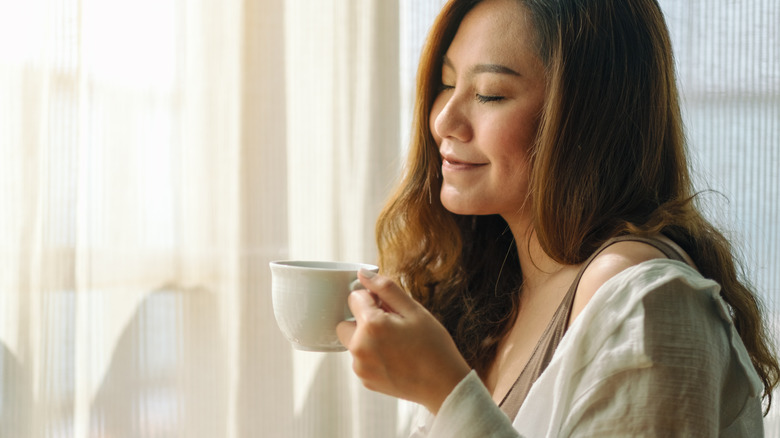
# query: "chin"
x,y
460,208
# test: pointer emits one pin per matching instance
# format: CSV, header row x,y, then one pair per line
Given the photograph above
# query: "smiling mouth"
x,y
451,164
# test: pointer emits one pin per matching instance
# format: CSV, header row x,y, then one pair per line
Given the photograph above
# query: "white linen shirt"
x,y
654,353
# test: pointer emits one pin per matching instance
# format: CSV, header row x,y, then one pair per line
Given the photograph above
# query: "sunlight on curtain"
x,y
120,141
343,135
149,176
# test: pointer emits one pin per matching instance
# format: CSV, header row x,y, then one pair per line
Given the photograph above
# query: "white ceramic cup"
x,y
310,299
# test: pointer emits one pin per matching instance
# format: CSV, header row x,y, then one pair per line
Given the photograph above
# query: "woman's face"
x,y
485,118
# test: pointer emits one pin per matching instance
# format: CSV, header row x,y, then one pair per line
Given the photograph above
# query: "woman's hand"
x,y
398,347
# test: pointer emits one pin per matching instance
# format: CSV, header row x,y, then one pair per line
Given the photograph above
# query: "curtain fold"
x,y
120,211
262,387
157,156
342,147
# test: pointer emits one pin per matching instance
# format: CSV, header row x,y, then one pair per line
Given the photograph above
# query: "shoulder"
x,y
613,260
651,309
656,330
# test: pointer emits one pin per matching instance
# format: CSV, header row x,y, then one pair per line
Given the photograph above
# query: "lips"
x,y
453,163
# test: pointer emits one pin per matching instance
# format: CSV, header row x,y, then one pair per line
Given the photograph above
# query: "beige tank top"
x,y
557,326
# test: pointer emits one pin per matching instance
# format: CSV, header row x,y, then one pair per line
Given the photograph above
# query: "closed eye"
x,y
487,99
444,87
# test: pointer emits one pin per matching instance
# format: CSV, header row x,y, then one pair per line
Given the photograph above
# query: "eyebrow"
x,y
484,68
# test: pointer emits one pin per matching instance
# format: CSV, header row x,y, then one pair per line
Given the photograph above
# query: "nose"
x,y
449,119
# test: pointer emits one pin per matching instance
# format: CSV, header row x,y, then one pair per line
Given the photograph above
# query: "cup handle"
x,y
355,285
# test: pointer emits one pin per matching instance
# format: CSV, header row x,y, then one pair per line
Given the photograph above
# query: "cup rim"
x,y
323,265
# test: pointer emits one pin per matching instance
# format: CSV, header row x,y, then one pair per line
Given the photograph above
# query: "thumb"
x,y
391,297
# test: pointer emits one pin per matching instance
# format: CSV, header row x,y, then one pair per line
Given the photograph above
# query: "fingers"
x,y
398,348
345,330
364,306
390,296
367,310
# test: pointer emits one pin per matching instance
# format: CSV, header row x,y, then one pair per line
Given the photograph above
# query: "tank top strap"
x,y
668,251
556,328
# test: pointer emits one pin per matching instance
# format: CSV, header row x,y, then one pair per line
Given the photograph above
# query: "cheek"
x,y
513,146
515,136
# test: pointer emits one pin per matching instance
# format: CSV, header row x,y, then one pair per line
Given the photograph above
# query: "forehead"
x,y
493,31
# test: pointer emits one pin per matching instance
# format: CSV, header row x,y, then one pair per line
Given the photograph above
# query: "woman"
x,y
547,193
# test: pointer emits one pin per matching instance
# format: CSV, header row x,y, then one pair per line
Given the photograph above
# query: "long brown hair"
x,y
610,159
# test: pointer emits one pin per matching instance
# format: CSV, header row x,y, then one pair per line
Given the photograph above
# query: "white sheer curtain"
x,y
155,155
120,215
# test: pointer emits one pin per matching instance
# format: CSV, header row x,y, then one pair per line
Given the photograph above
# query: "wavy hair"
x,y
609,159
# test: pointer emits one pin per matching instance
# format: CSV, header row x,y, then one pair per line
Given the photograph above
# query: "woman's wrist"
x,y
447,385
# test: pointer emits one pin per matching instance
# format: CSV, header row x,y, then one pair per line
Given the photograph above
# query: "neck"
x,y
536,265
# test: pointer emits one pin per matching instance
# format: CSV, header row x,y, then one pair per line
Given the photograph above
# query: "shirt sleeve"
x,y
692,383
469,412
